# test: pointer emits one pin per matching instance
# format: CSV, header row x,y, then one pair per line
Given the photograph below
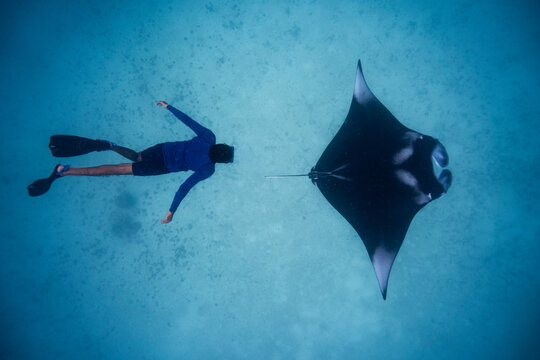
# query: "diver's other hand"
x,y
162,103
168,218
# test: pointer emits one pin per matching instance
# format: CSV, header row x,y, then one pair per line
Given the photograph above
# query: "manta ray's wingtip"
x,y
383,285
361,90
359,71
382,261
359,64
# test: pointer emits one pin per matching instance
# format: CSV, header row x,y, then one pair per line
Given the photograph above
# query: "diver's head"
x,y
221,153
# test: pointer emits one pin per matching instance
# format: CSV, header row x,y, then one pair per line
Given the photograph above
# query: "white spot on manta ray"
x,y
406,152
407,178
410,136
422,198
403,155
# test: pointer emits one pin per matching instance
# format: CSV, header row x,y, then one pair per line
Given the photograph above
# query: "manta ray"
x,y
378,174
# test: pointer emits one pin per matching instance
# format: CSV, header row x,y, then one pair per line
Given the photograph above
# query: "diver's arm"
x,y
190,182
200,130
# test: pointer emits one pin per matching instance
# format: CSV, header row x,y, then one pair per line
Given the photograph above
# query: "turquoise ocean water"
x,y
253,268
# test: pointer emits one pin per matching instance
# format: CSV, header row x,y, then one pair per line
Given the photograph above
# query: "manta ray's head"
x,y
420,164
441,178
441,159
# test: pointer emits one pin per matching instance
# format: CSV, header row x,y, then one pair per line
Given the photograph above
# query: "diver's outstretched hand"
x,y
162,103
168,218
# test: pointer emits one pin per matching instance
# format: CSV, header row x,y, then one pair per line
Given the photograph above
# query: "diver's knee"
x,y
139,157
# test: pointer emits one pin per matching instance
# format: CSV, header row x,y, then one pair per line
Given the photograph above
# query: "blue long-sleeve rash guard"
x,y
189,155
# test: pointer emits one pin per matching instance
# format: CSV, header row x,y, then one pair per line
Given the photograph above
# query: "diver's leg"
x,y
127,153
102,170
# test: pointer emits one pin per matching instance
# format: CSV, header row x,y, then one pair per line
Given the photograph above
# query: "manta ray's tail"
x,y
314,175
283,176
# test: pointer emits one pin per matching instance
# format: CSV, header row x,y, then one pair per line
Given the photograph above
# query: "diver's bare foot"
x,y
59,170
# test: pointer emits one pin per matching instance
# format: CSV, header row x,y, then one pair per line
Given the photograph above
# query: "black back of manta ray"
x,y
378,174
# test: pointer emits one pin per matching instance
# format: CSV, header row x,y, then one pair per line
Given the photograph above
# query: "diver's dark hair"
x,y
221,153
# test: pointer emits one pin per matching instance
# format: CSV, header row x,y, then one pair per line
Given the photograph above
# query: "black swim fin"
x,y
68,145
41,186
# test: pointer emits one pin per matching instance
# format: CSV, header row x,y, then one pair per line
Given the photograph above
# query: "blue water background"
x,y
253,268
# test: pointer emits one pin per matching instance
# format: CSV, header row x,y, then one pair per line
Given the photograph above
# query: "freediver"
x,y
200,154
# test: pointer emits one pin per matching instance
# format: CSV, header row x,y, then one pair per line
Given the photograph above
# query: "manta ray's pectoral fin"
x,y
362,94
382,260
